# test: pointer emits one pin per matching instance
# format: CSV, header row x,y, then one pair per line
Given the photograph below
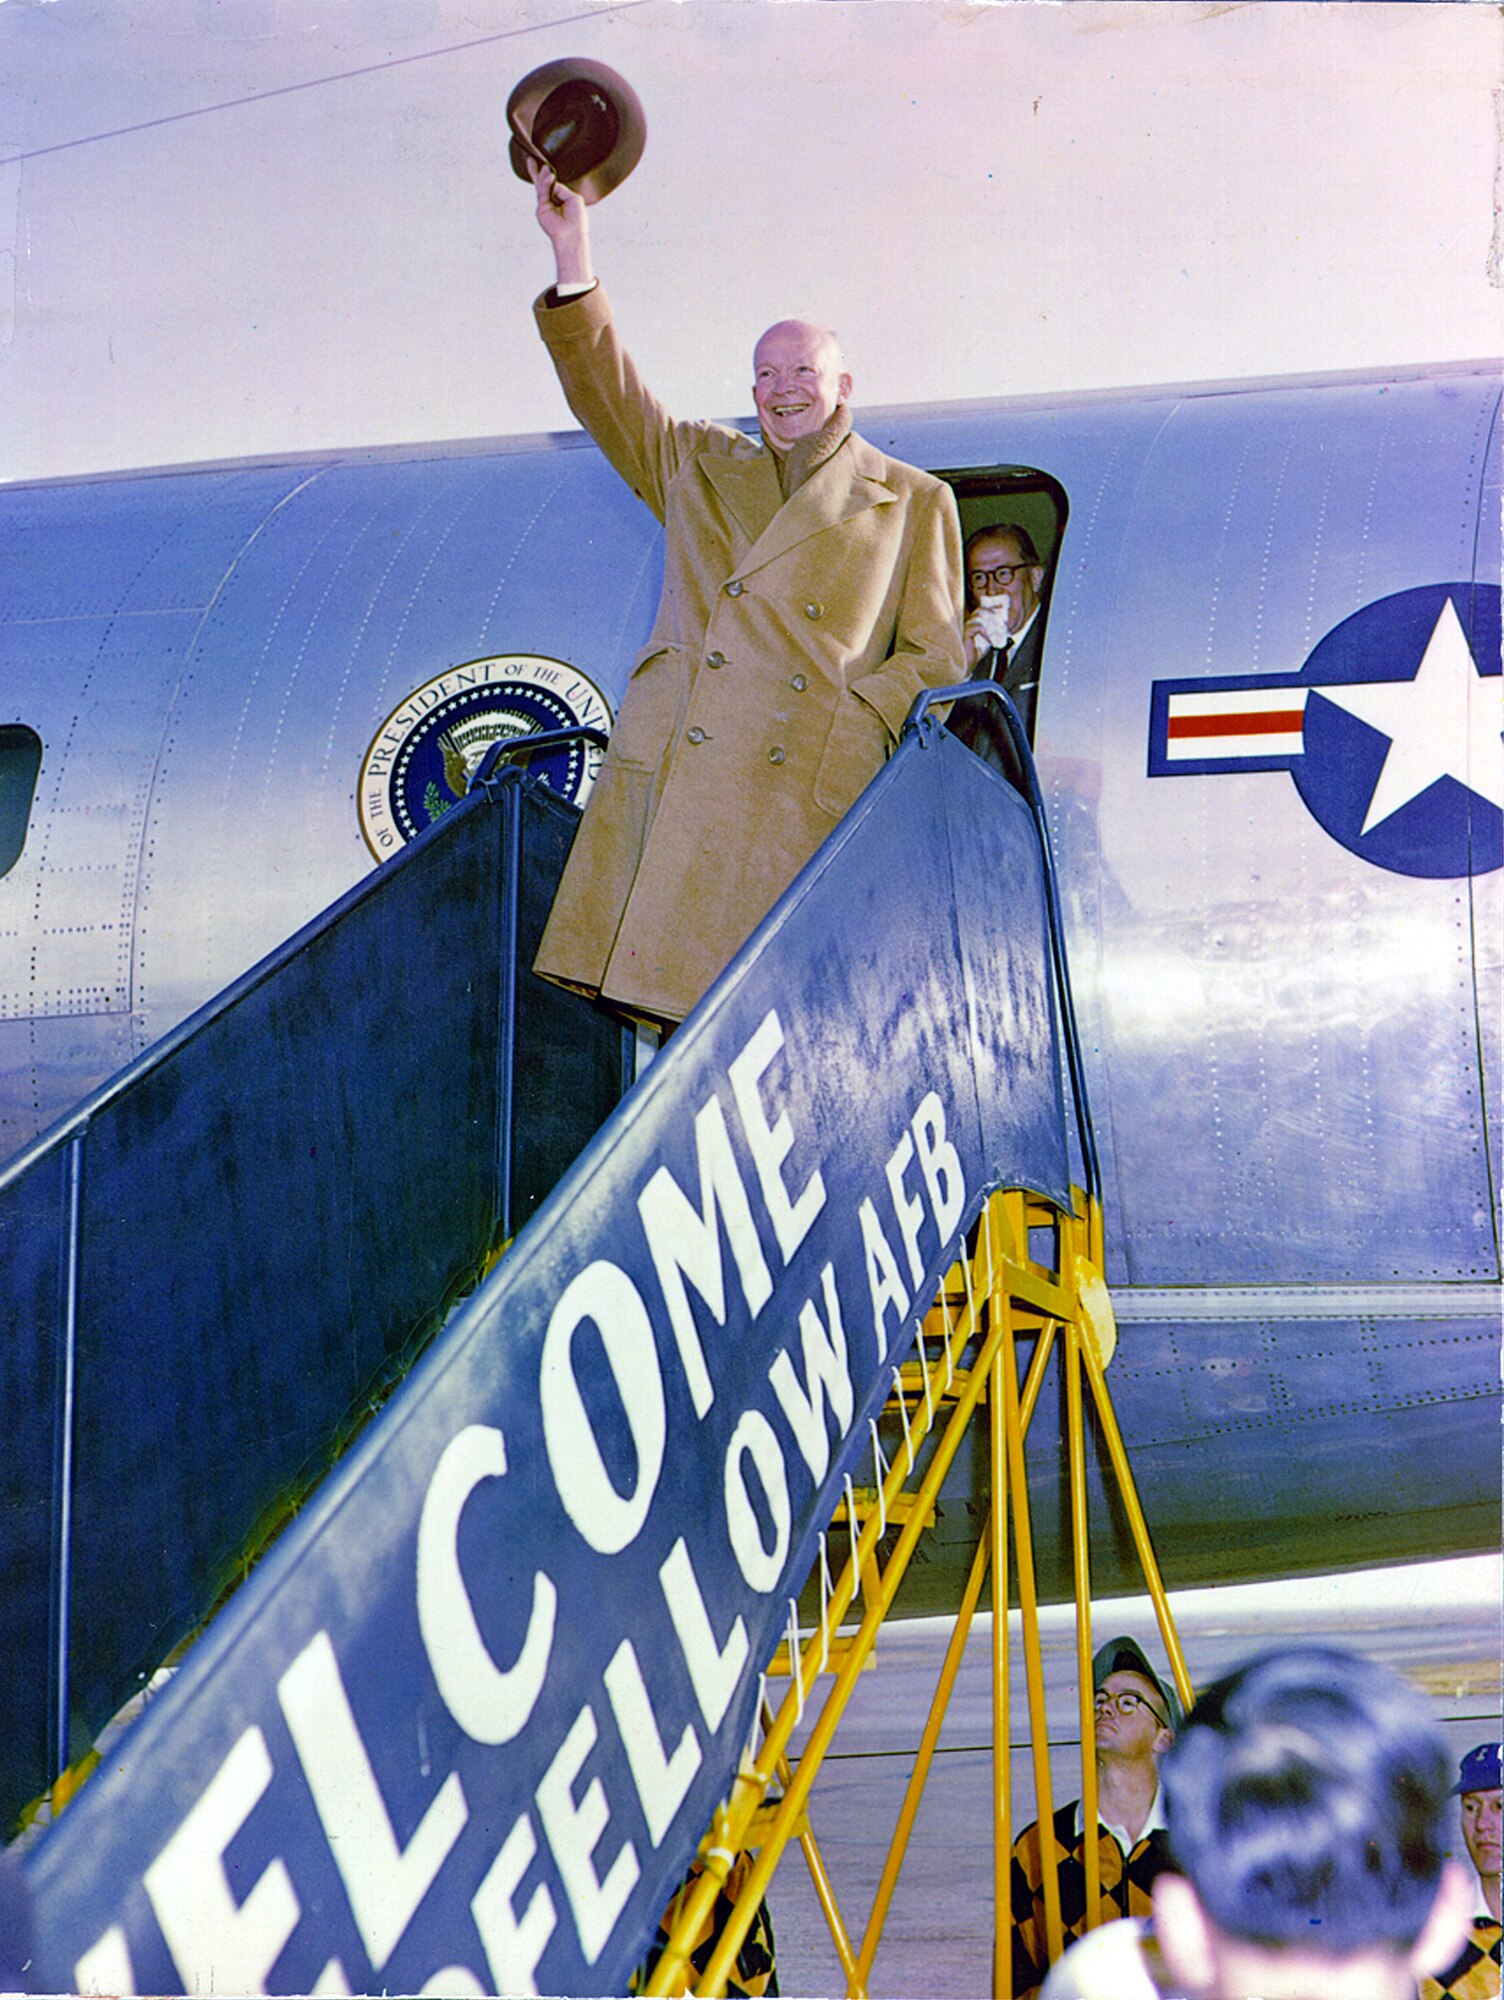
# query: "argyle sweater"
x,y
1126,1881
1475,1975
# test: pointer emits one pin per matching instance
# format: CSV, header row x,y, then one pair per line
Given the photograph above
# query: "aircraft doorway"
x,y
1012,521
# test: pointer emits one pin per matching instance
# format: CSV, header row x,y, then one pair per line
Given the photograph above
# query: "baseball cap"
x,y
1126,1656
1480,1770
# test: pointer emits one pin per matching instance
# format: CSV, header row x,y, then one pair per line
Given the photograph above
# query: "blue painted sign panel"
x,y
465,1727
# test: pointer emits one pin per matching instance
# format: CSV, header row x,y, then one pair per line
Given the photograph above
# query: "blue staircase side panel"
x,y
567,1058
32,1217
268,1219
271,1209
468,1721
999,910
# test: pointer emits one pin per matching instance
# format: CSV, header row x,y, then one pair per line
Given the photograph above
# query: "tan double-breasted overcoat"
x,y
791,638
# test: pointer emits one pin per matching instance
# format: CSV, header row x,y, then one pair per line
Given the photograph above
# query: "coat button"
x,y
695,735
715,659
799,682
814,610
777,754
734,588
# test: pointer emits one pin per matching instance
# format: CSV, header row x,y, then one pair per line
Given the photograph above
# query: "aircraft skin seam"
x,y
1479,1026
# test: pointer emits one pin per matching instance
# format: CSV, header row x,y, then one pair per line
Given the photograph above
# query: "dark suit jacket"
x,y
981,727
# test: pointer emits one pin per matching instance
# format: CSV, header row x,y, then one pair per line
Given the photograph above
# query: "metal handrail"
x,y
922,722
507,747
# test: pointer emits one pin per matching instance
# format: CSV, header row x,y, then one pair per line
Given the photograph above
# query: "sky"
x,y
244,227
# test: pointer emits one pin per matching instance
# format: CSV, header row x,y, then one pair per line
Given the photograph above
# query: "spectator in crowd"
x,y
1136,1717
1475,1974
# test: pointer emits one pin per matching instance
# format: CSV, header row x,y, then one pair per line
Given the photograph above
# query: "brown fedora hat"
x,y
581,119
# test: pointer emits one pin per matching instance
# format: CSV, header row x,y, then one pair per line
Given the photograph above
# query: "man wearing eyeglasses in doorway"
x,y
1137,1715
1002,637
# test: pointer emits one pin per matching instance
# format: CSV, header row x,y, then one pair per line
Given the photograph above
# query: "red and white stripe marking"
x,y
1240,722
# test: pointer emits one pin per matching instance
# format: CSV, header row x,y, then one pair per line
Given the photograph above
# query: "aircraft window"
x,y
20,761
1021,497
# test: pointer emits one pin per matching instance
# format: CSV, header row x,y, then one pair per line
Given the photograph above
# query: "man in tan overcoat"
x,y
812,588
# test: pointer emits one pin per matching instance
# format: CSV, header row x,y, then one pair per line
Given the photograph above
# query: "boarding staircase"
x,y
514,1687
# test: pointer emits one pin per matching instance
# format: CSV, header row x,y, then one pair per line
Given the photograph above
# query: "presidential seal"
x,y
423,757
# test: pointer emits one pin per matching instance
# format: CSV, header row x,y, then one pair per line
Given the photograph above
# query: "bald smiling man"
x,y
812,588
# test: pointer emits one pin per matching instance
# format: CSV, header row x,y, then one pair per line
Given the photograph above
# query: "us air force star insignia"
x,y
1443,724
1391,730
422,758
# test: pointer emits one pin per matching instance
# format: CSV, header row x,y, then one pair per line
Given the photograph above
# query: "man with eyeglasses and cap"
x,y
1476,1973
1137,1715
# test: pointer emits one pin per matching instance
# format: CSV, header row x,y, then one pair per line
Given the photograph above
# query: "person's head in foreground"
x,y
1305,1801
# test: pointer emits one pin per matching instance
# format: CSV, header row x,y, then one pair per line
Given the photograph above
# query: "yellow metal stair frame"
x,y
967,1359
